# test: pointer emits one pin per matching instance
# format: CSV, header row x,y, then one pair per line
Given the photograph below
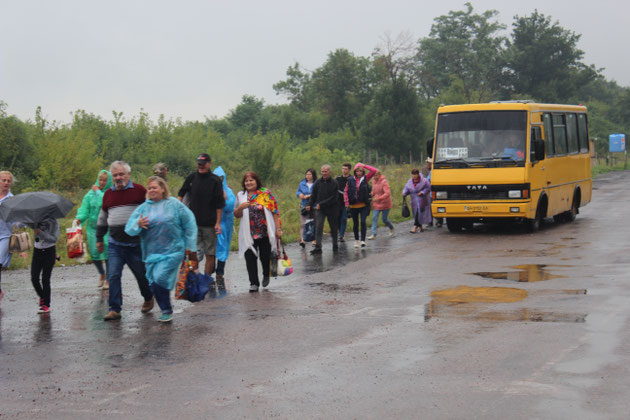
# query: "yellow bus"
x,y
510,160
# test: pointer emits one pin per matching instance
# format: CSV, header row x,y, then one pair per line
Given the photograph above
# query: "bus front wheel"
x,y
533,225
454,225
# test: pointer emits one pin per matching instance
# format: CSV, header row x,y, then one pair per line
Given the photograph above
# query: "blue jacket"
x,y
227,220
303,188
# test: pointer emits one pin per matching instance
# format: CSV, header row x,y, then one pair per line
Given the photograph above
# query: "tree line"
x,y
384,103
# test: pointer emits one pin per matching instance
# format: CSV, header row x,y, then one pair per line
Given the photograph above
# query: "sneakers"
x,y
363,244
105,285
356,243
165,318
147,305
112,315
341,239
392,232
43,309
253,288
316,251
265,282
371,237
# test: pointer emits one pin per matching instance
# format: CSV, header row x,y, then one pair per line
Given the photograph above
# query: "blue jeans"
x,y
343,220
163,298
355,213
118,256
386,221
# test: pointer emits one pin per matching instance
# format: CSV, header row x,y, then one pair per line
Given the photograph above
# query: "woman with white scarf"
x,y
259,229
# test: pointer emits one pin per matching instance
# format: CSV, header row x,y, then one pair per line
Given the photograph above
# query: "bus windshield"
x,y
481,136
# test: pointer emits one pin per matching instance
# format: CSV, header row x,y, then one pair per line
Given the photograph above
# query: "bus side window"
x,y
559,134
583,133
535,135
548,135
572,133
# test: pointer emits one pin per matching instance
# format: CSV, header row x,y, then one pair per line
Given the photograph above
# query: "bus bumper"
x,y
481,210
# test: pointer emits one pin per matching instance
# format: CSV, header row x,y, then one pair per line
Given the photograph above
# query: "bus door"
x,y
537,171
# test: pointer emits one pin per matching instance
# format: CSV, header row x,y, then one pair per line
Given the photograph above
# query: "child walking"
x,y
44,255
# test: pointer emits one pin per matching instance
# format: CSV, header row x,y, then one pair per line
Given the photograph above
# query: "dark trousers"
x,y
118,256
343,220
42,264
163,298
220,267
355,213
320,218
263,247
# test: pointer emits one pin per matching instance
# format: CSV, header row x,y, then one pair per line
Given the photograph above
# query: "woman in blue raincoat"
x,y
167,229
88,214
227,227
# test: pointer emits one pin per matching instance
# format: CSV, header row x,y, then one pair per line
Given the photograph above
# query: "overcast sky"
x,y
195,59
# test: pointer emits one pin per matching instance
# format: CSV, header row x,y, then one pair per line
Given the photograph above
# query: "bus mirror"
x,y
539,146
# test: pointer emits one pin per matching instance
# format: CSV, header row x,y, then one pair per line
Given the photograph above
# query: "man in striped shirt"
x,y
118,204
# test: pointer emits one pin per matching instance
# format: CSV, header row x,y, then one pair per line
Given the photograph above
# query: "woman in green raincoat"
x,y
88,214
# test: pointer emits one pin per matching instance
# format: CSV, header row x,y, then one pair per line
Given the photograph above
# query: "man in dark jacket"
x,y
324,201
203,192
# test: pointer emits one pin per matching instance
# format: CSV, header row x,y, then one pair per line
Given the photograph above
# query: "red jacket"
x,y
381,191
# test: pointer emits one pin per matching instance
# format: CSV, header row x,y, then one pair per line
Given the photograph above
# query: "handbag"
x,y
280,261
20,242
405,208
74,240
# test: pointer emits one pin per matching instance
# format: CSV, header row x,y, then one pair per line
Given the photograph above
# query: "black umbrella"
x,y
33,207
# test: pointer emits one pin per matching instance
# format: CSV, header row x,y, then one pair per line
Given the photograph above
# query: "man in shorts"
x,y
203,191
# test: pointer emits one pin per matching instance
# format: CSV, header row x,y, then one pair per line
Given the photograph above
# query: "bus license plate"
x,y
476,209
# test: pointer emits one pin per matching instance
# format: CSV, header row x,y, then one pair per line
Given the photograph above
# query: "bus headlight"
x,y
441,195
441,209
515,194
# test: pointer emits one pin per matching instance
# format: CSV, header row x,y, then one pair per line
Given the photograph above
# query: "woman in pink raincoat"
x,y
419,188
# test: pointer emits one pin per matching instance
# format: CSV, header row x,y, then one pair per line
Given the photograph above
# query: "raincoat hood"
x,y
109,179
220,172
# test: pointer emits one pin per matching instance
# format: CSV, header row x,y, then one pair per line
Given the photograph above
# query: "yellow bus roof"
x,y
510,105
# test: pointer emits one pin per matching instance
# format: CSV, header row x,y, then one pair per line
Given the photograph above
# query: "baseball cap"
x,y
203,158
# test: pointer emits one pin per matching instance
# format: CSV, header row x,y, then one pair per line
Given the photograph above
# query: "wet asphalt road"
x,y
495,323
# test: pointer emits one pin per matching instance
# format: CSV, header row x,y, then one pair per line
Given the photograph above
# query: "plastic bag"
x,y
197,285
74,241
309,231
280,262
182,276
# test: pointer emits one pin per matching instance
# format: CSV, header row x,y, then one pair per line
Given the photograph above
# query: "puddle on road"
x,y
465,294
468,302
528,273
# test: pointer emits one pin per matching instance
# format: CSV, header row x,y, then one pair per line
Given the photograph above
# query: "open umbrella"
x,y
33,207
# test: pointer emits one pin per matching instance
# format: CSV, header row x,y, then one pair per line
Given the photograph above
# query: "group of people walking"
x,y
152,232
351,196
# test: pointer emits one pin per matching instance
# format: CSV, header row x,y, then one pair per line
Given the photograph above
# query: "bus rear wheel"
x,y
570,215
